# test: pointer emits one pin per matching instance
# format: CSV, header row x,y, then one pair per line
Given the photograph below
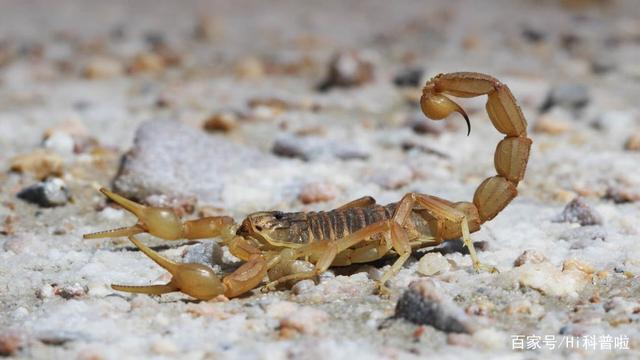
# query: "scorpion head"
x,y
270,226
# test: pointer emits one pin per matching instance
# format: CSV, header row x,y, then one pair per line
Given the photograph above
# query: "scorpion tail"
x,y
512,152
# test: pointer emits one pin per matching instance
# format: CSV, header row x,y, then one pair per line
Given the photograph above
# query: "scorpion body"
x,y
272,243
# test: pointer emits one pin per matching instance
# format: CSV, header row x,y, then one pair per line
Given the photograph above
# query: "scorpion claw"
x,y
149,289
196,280
160,222
124,231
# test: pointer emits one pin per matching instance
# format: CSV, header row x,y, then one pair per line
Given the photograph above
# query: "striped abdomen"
x,y
336,224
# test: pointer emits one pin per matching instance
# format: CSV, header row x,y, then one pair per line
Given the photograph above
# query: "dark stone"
x,y
424,304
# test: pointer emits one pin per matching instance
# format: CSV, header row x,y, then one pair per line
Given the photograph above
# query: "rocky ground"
x,y
221,108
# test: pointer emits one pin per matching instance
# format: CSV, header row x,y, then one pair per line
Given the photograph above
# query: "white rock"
x,y
306,320
548,279
46,291
109,213
490,339
432,264
164,347
60,143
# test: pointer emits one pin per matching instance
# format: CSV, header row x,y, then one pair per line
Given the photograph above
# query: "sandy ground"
x,y
79,81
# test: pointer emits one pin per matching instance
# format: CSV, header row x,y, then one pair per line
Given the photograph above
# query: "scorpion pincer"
x,y
273,243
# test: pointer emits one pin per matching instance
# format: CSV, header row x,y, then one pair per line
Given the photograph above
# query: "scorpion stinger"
x,y
437,106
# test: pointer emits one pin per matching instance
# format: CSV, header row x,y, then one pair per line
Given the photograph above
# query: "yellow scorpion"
x,y
274,243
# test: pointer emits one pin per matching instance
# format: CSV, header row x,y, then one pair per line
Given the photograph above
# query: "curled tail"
x,y
512,152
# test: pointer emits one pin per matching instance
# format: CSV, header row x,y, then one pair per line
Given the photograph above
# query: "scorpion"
x,y
274,243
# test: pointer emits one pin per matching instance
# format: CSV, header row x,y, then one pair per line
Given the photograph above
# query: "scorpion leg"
x,y
400,243
358,203
399,240
164,223
453,221
362,254
325,252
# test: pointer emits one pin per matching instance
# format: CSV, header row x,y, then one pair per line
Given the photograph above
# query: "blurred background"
x,y
218,107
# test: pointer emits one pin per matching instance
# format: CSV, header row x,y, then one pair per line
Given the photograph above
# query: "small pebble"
x,y
102,68
39,163
10,343
250,68
570,96
24,243
530,256
490,339
304,320
548,124
432,264
208,309
373,273
49,193
90,352
519,307
221,122
578,211
291,148
109,213
303,286
275,105
206,253
46,291
164,347
633,142
317,192
549,280
424,303
462,340
59,337
584,235
533,35
281,309
621,305
147,63
347,69
622,195
481,307
207,28
71,291
60,143
426,126
411,77
576,264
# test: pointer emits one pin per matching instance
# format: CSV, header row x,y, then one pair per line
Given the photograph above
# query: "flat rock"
x,y
175,160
